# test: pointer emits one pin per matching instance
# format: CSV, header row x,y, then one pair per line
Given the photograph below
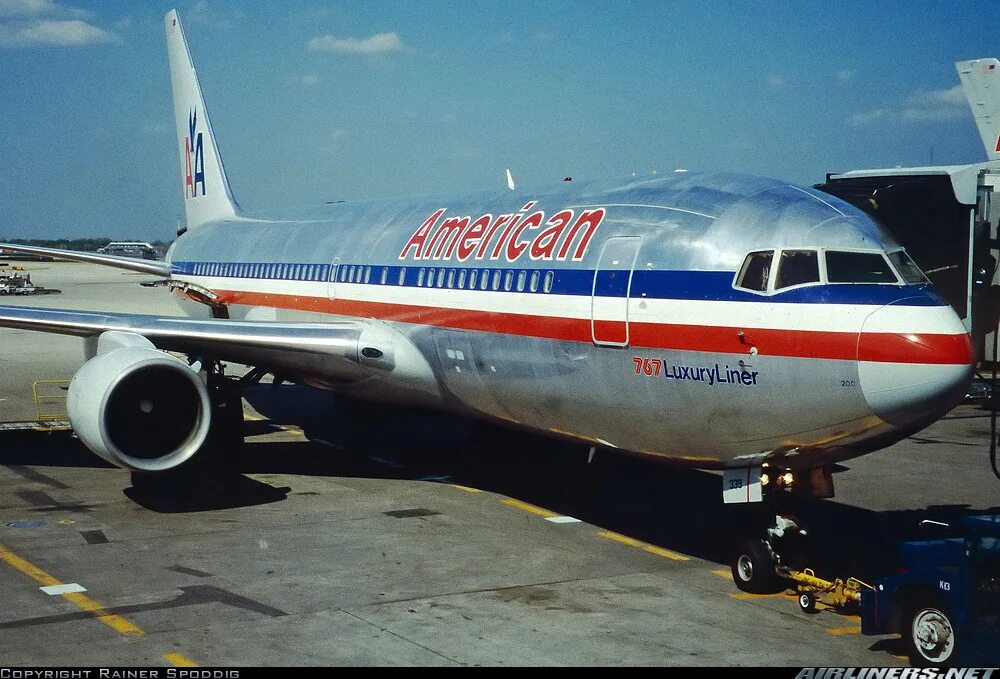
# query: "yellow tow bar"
x,y
838,593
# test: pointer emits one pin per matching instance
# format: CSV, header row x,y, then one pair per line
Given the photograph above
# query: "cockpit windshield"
x,y
771,271
858,267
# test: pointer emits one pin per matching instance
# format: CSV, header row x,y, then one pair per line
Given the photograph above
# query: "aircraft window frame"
x,y
508,280
825,271
550,277
440,278
462,274
420,277
431,275
385,275
402,275
451,278
738,280
780,257
495,283
522,279
923,280
342,273
350,274
368,274
473,278
533,283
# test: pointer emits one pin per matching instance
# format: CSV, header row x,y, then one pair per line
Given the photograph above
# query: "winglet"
x,y
981,82
510,180
207,196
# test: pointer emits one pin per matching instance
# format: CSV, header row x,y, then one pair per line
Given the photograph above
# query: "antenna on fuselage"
x,y
510,180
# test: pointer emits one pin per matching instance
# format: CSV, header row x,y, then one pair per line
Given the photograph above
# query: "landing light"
x,y
787,479
764,479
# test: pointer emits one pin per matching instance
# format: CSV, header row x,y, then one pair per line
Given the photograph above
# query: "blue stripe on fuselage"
x,y
712,286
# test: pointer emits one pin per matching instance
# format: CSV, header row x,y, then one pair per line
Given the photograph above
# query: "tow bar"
x,y
838,593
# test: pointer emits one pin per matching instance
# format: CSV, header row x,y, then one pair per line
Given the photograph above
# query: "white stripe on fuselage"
x,y
770,315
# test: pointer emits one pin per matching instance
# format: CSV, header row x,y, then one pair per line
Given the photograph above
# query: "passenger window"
x,y
797,267
858,267
910,272
451,278
368,274
473,274
343,273
534,281
420,278
430,277
402,276
521,278
385,274
755,271
549,277
461,279
508,279
440,282
350,275
496,280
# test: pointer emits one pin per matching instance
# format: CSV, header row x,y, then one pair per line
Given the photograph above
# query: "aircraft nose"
x,y
914,362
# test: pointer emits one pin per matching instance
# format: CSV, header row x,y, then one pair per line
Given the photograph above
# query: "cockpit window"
x,y
797,267
755,271
858,267
910,272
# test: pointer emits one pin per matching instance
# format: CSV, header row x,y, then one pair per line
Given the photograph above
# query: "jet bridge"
x,y
945,218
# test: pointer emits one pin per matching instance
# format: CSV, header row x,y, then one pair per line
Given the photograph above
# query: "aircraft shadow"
x,y
676,508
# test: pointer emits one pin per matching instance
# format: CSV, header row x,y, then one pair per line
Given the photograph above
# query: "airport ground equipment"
x,y
946,219
945,601
838,593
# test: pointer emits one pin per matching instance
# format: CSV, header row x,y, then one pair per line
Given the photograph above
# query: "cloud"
x,y
44,23
845,76
36,8
307,80
53,33
204,14
776,81
334,142
935,105
380,43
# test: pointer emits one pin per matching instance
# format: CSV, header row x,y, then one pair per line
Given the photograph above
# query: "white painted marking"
x,y
68,588
562,519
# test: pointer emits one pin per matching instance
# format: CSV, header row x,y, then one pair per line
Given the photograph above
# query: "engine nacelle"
x,y
138,407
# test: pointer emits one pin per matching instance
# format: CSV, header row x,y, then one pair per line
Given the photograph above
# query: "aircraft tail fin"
x,y
981,82
207,196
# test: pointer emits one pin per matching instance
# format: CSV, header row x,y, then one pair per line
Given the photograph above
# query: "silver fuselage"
x,y
628,332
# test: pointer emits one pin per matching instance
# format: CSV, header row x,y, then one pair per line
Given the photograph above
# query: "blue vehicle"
x,y
945,601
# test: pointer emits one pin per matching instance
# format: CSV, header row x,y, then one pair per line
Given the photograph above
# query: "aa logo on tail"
x,y
194,159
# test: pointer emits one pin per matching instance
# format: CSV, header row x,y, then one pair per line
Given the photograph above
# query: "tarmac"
x,y
404,537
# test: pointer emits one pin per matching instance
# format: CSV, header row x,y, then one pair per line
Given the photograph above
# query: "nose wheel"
x,y
753,568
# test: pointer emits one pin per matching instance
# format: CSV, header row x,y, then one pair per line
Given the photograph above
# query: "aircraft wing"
x,y
332,351
141,265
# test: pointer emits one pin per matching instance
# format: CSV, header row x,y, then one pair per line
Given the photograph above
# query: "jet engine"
x,y
138,407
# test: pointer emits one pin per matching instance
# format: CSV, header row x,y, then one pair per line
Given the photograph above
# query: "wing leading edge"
x,y
141,265
336,353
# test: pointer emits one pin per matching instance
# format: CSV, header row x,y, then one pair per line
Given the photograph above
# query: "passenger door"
x,y
610,293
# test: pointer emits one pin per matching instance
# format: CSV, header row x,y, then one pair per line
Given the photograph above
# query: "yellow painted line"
x,y
80,600
529,508
179,660
841,631
466,488
652,549
723,573
747,596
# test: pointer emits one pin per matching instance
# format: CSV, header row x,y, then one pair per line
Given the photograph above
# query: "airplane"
x,y
713,320
979,79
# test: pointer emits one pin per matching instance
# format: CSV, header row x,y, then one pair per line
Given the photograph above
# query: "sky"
x,y
314,102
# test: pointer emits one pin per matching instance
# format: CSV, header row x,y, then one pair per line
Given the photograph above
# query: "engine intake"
x,y
138,407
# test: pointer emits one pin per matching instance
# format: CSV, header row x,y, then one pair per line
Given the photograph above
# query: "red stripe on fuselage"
x,y
955,349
